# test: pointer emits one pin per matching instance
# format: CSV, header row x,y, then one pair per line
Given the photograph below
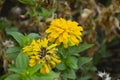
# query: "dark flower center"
x,y
43,52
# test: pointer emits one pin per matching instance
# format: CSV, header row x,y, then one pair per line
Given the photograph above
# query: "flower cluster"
x,y
61,31
40,52
64,31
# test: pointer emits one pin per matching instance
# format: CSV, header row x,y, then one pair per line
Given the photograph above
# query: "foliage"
x,y
71,60
24,72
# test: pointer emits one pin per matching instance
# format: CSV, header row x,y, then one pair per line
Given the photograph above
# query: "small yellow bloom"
x,y
62,31
40,52
45,69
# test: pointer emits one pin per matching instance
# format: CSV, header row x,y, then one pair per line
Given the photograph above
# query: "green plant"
x,y
21,70
72,61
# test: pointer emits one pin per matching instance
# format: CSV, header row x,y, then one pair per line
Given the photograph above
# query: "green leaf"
x,y
34,77
72,62
13,77
28,38
12,29
50,76
62,52
84,78
28,2
70,73
84,60
61,66
22,61
45,13
16,70
87,68
2,77
77,49
34,69
32,36
18,37
12,52
25,41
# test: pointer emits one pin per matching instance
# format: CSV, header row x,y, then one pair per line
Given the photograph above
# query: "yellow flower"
x,y
63,31
40,52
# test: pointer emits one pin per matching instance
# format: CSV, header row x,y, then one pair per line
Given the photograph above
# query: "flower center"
x,y
43,52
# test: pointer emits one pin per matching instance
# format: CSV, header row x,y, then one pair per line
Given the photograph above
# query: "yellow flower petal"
x,y
60,31
44,42
45,69
56,60
52,51
32,62
51,46
53,64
